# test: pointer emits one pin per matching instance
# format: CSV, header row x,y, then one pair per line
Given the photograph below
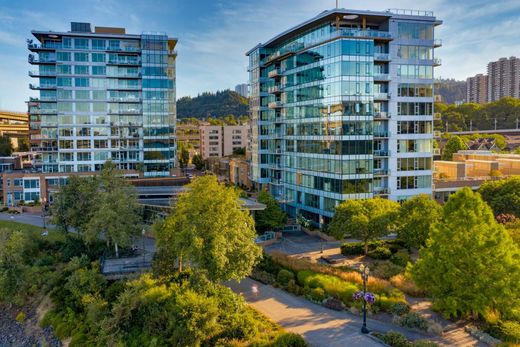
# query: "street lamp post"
x,y
364,274
144,259
44,204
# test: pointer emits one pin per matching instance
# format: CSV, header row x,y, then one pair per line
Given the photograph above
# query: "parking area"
x,y
298,242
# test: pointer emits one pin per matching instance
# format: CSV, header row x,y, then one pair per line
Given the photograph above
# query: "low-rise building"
x,y
239,173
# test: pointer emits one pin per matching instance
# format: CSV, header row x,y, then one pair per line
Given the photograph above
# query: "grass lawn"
x,y
54,235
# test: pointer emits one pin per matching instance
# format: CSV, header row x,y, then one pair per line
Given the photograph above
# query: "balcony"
x,y
381,191
123,112
274,89
126,62
437,62
32,59
34,47
124,49
115,99
381,115
42,73
381,96
381,153
274,73
381,172
382,57
381,77
126,75
371,34
274,104
43,111
380,134
282,53
43,86
437,43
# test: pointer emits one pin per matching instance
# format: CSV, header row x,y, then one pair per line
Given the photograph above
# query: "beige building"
x,y
503,78
222,140
477,89
239,174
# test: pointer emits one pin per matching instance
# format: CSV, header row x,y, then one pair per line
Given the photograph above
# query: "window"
x,y
82,94
98,57
98,70
31,196
100,107
64,81
31,183
98,45
81,57
63,56
67,42
83,144
81,82
81,69
81,43
64,94
17,182
64,69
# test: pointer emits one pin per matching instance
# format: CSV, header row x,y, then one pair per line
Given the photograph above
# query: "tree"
x,y
75,203
470,264
23,145
117,217
453,145
273,217
209,230
416,215
364,219
6,147
184,157
503,196
198,162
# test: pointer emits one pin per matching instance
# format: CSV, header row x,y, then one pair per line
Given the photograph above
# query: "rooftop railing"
x,y
407,12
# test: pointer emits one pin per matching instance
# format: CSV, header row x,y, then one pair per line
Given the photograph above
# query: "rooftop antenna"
x,y
337,3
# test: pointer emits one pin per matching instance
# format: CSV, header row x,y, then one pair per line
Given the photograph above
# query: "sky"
x,y
215,34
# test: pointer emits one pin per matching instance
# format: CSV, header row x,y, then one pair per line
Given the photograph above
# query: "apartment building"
x,y
342,108
477,89
15,125
503,78
242,89
223,140
103,94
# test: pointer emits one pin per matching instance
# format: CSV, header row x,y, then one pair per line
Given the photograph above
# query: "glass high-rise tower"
x,y
104,95
342,108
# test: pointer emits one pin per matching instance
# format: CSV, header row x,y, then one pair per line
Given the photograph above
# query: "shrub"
x,y
47,319
20,317
289,340
380,252
399,308
62,331
386,270
394,339
407,286
317,294
334,304
412,320
355,248
77,340
510,331
401,257
424,343
284,276
385,303
293,287
263,276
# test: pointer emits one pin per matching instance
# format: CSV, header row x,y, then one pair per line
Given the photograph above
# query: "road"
x,y
26,218
320,326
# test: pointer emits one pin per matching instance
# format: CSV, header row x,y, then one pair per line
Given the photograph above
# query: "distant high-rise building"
x,y
477,89
342,108
503,78
242,90
104,94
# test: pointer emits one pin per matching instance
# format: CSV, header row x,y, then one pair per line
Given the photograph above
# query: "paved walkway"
x,y
320,326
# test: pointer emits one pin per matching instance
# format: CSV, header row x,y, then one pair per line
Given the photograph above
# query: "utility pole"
x,y
517,122
471,125
495,124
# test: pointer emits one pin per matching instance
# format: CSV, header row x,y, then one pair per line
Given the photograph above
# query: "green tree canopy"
x,y
273,217
209,230
6,148
470,264
23,145
117,216
184,157
502,195
454,144
198,161
416,215
364,219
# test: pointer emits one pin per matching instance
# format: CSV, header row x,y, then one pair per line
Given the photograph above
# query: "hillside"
x,y
216,105
451,90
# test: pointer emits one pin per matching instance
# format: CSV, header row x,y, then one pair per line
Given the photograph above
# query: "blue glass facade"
x,y
103,95
339,104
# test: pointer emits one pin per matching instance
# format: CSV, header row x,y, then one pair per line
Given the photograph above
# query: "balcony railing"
x,y
381,191
43,111
275,104
32,59
381,153
407,12
437,62
125,75
381,77
381,172
115,99
382,56
124,49
381,115
42,73
381,96
381,134
48,45
274,89
43,86
437,43
273,73
124,62
130,111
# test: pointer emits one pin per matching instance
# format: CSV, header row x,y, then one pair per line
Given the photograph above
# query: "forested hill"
x,y
451,90
216,105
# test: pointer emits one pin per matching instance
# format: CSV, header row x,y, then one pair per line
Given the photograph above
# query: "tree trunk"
x,y
180,262
366,247
117,249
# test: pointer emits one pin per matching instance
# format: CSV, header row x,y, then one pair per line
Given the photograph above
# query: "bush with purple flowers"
x,y
368,297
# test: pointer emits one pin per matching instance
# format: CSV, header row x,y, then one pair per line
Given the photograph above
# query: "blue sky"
x,y
214,34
